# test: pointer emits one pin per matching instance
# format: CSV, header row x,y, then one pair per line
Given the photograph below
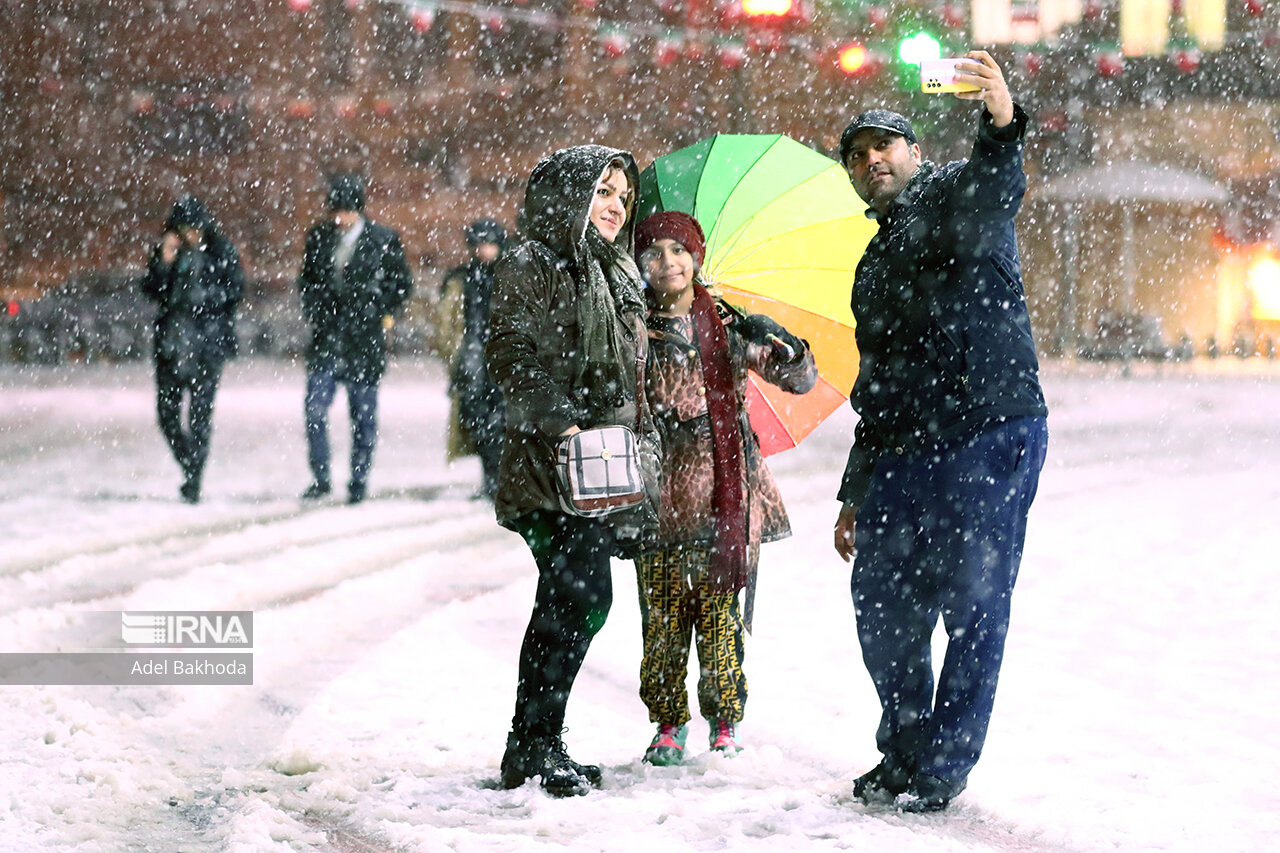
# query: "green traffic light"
x,y
917,47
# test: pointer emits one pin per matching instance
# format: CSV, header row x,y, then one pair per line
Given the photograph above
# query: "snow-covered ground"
x,y
1137,708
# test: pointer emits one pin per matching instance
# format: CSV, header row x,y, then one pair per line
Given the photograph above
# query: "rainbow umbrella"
x,y
784,232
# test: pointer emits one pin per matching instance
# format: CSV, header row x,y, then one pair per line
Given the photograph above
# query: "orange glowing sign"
x,y
853,58
766,8
1263,278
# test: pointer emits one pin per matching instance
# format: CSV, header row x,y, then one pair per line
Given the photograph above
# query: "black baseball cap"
x,y
346,192
875,120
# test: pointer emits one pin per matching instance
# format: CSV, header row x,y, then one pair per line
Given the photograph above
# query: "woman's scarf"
x,y
608,293
728,571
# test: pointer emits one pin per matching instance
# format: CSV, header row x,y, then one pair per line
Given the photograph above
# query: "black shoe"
x,y
190,491
316,490
590,772
355,493
882,783
525,759
928,794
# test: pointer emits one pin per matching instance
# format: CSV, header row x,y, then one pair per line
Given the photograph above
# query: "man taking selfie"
x,y
950,440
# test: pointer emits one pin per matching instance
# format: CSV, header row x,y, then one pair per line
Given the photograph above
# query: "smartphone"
x,y
938,76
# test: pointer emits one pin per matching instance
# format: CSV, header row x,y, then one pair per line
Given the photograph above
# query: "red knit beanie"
x,y
671,225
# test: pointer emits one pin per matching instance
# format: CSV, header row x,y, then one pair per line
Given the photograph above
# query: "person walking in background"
x,y
446,339
950,440
354,279
195,278
447,327
478,398
719,501
566,343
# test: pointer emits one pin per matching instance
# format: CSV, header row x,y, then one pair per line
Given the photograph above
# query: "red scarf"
x,y
728,571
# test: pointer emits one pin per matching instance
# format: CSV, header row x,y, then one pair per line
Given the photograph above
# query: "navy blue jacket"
x,y
942,327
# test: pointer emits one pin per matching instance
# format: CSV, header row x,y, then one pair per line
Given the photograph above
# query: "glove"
x,y
759,329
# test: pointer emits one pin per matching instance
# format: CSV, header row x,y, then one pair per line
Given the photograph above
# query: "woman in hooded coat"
x,y
566,345
719,501
194,276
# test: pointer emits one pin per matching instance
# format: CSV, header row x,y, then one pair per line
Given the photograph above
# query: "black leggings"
x,y
575,590
189,442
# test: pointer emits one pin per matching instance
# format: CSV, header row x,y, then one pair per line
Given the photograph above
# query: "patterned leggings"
x,y
672,609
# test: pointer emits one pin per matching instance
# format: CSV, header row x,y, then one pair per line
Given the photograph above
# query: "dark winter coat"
x,y
197,295
532,351
942,325
469,376
677,394
346,313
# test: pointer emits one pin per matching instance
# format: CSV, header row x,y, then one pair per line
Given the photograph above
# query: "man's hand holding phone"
x,y
972,77
983,72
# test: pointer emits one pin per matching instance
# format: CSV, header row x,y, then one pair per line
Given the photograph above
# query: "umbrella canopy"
x,y
785,231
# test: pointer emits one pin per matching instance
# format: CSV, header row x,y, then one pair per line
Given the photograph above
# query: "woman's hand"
x,y
570,431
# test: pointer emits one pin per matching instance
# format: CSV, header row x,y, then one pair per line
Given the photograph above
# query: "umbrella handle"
x,y
783,348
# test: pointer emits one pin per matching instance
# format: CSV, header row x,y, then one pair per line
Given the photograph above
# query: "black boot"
x,y
317,490
526,758
190,490
590,772
192,471
928,794
883,782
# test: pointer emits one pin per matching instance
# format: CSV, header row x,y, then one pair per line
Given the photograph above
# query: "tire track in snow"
x,y
54,553
51,552
255,725
242,727
117,568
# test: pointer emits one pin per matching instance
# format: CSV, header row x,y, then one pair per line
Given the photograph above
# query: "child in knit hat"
x,y
719,501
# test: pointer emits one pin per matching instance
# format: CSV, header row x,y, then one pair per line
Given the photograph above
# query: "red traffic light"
x,y
13,308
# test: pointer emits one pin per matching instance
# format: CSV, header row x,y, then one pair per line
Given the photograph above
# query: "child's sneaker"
x,y
724,737
667,748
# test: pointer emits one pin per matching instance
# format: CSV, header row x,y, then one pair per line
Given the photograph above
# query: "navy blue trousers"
x,y
362,406
940,534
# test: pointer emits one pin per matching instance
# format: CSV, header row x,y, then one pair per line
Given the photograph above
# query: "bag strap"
x,y
644,418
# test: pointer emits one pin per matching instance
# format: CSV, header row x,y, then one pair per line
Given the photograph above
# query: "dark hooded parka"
x,y
197,292
565,341
540,339
197,295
